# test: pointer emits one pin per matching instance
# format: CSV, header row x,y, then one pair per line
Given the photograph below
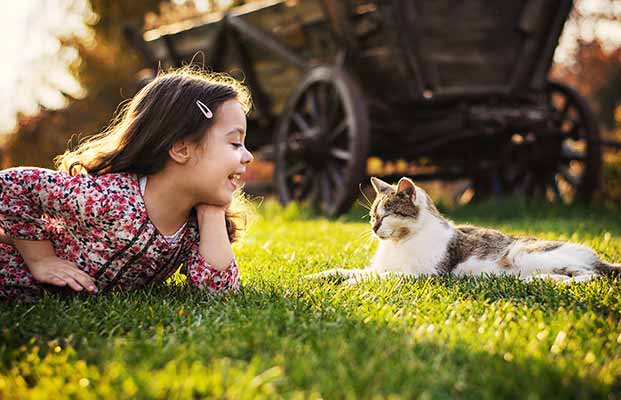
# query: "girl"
x,y
128,206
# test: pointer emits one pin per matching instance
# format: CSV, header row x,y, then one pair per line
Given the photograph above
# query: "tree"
x,y
589,55
106,69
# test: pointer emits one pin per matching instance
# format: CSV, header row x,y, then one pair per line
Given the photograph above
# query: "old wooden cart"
x,y
460,89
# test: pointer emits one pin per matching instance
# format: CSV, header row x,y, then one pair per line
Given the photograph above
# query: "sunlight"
x,y
38,68
35,69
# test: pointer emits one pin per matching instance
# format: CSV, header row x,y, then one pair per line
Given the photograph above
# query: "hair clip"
x,y
204,109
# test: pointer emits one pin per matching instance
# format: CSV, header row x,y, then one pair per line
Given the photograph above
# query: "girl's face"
x,y
220,160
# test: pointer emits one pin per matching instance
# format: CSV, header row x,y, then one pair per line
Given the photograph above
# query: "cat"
x,y
416,240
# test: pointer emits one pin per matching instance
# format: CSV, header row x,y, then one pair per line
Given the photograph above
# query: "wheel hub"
x,y
316,150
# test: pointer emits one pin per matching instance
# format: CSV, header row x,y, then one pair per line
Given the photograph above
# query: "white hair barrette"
x,y
204,109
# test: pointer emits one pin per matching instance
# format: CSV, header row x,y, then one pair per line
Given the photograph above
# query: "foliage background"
x,y
108,68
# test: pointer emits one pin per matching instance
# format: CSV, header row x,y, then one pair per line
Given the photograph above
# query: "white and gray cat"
x,y
415,239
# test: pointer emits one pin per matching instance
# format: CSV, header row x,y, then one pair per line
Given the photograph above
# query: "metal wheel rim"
x,y
344,130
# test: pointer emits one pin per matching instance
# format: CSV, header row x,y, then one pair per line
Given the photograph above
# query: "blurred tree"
x,y
178,10
592,64
597,75
40,39
609,94
106,68
589,55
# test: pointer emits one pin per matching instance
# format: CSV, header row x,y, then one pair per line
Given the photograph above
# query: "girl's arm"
x,y
45,267
215,246
211,264
29,196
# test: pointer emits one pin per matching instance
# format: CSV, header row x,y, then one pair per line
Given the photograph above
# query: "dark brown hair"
x,y
159,115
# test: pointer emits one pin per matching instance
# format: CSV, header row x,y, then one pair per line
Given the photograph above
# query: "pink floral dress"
x,y
100,223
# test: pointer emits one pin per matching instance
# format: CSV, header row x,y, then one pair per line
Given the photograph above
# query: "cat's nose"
x,y
377,225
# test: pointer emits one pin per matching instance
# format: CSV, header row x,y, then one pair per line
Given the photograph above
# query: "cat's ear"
x,y
406,185
380,186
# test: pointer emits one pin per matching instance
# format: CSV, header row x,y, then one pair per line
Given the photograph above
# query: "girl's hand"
x,y
59,272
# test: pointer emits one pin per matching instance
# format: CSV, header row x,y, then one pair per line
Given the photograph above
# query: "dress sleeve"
x,y
29,197
202,275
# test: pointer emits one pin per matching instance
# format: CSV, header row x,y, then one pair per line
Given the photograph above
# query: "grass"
x,y
281,336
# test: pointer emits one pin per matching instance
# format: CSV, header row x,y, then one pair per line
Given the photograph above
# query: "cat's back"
x,y
471,240
479,233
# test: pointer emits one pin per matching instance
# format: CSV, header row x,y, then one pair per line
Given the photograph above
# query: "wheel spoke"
x,y
302,124
340,154
326,195
334,175
569,154
315,192
335,110
324,106
293,148
340,129
569,178
557,191
565,109
574,132
311,101
306,187
296,169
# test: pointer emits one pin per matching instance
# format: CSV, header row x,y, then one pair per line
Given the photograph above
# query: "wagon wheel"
x,y
570,172
322,142
579,170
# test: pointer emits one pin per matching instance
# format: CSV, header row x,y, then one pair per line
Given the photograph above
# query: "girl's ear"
x,y
180,152
380,186
406,185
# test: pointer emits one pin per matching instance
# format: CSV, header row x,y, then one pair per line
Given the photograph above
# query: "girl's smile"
x,y
235,180
220,161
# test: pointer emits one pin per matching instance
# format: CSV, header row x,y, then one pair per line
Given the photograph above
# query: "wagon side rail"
x,y
232,34
432,54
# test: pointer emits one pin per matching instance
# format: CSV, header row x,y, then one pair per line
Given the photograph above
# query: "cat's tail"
x,y
607,269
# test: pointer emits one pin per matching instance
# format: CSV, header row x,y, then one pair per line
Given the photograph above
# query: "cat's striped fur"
x,y
415,239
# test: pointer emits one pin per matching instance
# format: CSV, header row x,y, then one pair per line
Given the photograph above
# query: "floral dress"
x,y
100,223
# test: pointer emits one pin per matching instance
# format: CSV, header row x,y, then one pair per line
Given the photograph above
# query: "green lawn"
x,y
285,337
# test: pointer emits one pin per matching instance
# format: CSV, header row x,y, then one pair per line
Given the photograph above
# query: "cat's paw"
x,y
548,277
329,274
354,280
583,278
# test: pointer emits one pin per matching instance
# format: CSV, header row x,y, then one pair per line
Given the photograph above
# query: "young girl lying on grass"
x,y
132,204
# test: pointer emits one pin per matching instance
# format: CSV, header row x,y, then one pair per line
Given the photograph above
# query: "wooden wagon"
x,y
459,89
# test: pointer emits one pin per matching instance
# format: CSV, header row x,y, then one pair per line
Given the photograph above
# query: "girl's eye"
x,y
237,145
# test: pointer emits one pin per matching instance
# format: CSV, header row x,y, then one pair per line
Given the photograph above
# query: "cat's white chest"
x,y
420,255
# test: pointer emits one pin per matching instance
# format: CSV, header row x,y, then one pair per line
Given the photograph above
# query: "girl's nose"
x,y
248,157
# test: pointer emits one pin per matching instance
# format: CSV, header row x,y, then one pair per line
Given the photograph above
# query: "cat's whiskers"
x,y
369,202
366,234
367,237
366,207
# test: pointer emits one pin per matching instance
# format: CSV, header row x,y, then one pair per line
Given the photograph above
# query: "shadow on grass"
x,y
597,295
319,345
